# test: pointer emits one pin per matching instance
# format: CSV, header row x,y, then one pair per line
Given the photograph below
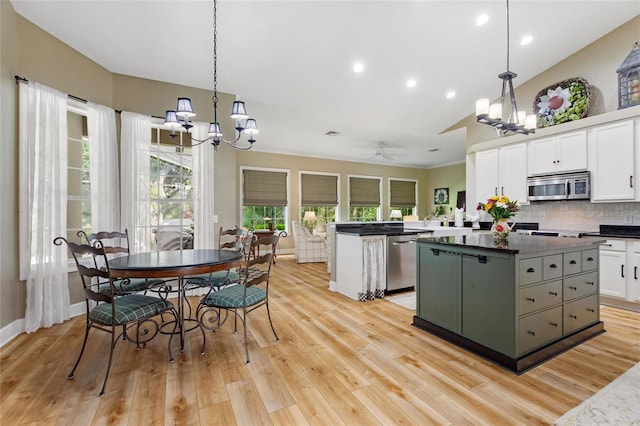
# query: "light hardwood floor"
x,y
337,362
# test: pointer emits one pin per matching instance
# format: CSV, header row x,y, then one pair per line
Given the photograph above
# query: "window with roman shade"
x,y
264,199
318,190
364,192
402,193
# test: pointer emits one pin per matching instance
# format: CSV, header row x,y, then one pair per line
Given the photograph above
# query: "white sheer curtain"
x,y
43,203
103,168
373,279
135,158
203,192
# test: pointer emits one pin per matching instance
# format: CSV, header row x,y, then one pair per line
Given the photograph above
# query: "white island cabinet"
x,y
360,264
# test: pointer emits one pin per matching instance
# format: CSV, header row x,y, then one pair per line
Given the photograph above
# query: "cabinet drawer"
x,y
580,285
551,267
580,313
538,297
617,245
572,263
530,270
539,329
589,259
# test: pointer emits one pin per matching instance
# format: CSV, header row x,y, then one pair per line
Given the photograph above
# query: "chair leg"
x,y
84,345
113,344
270,322
175,327
244,326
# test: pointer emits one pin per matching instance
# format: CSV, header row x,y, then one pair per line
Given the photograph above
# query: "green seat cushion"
x,y
129,308
231,297
214,279
131,285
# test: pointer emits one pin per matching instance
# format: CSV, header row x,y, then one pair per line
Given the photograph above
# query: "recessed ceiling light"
x,y
411,83
358,67
482,19
526,40
451,94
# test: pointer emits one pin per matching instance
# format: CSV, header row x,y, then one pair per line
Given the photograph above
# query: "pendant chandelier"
x,y
181,116
517,121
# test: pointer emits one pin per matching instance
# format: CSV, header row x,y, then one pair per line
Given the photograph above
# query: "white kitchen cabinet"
x,y
613,270
558,154
612,162
502,171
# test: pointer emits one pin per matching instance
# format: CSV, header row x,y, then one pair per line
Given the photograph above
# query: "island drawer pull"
x,y
555,324
531,299
573,288
590,259
573,262
532,333
435,252
482,259
573,316
591,310
530,270
553,293
590,282
553,266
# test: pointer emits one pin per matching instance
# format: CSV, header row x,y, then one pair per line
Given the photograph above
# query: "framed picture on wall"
x,y
441,196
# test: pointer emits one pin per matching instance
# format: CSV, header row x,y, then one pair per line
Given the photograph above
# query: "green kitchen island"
x,y
516,303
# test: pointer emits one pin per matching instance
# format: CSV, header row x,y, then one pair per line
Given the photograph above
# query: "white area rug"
x,y
408,299
618,404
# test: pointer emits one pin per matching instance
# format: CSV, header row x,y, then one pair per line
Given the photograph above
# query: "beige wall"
x,y
597,63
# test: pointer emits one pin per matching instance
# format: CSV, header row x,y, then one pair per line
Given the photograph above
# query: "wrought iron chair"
x,y
114,311
242,298
239,238
116,243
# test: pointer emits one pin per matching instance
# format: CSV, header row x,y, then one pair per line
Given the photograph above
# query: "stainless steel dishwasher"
x,y
401,262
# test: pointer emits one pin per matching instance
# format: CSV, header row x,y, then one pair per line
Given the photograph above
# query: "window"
x,y
78,185
364,199
402,195
171,196
319,194
264,199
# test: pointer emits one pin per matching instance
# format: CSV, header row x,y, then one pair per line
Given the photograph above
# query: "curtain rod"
x,y
20,79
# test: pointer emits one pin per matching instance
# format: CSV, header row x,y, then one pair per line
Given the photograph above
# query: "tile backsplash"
x,y
579,215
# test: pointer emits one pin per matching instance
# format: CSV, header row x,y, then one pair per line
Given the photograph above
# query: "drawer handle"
x,y
573,288
589,259
606,245
573,262
531,333
531,299
622,271
530,270
573,316
591,310
553,266
555,324
635,272
553,293
590,282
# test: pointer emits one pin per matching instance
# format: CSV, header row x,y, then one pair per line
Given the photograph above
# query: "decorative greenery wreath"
x,y
565,101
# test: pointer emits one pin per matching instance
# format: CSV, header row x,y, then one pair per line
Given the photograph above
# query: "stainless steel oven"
x,y
567,186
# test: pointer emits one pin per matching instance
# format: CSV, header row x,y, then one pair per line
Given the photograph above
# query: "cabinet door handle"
x,y
573,262
573,288
531,333
502,190
555,324
495,190
622,271
590,282
630,181
591,310
573,316
553,293
530,270
531,299
635,272
606,245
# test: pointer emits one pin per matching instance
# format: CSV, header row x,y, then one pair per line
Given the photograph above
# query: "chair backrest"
x,y
232,239
91,275
113,242
258,269
173,240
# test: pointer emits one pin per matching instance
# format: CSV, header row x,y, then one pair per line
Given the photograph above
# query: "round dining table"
x,y
175,265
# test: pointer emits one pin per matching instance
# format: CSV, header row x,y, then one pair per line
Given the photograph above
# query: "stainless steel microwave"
x,y
566,186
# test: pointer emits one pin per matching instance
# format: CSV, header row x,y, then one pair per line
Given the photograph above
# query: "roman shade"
x,y
264,188
318,190
403,193
364,192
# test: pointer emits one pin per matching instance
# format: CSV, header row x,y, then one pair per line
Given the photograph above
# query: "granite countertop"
x,y
615,231
516,243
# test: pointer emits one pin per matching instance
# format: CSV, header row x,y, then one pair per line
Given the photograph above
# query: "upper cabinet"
x,y
558,154
612,162
502,171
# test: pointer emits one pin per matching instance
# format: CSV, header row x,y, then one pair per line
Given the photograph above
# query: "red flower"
x,y
499,228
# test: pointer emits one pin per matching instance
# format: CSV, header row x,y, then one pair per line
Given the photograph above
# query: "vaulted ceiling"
x,y
292,61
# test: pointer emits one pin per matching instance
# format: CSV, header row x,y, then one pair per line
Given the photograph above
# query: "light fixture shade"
x,y
522,116
184,108
171,120
238,111
214,130
495,111
309,216
530,122
251,127
482,106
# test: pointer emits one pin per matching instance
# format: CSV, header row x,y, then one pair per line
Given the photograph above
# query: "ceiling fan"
x,y
380,154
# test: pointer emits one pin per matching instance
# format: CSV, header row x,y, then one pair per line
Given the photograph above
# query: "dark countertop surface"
x,y
615,231
516,243
397,228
